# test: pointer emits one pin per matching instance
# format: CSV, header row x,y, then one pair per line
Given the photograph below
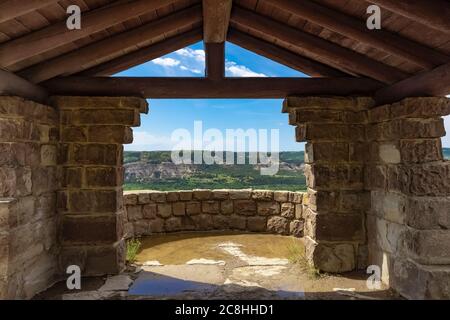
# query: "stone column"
x,y
90,201
334,129
409,222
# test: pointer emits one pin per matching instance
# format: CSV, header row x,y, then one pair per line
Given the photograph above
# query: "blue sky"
x,y
168,115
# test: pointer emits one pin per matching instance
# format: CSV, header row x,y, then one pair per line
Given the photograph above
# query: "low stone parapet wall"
x,y
155,212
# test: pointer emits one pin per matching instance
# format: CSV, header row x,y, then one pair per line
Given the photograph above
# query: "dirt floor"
x,y
222,266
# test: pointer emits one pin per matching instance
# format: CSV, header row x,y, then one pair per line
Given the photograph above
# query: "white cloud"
x,y
193,70
166,62
235,70
198,55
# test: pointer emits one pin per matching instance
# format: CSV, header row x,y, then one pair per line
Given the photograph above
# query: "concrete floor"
x,y
222,266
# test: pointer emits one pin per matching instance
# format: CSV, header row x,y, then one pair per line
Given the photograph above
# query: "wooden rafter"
x,y
76,61
283,56
10,9
216,19
324,50
177,88
432,13
57,35
145,54
431,83
356,29
13,85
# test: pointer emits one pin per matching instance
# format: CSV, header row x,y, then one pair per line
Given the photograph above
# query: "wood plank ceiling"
x,y
322,38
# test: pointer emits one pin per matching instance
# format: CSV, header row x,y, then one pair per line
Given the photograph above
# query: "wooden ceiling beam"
x,y
13,85
356,29
11,9
430,83
58,34
146,54
216,19
432,13
319,48
76,61
283,56
215,60
203,88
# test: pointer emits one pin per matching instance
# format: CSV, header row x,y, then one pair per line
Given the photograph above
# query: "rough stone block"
x,y
173,224
281,196
179,209
220,194
326,152
211,207
104,177
49,155
130,199
226,207
262,195
288,210
172,196
158,196
245,207
240,194
203,222
268,208
94,201
144,198
193,208
257,224
135,213
429,246
156,225
91,229
335,227
296,228
164,210
430,282
428,213
110,134
149,211
185,195
331,257
237,222
421,151
200,194
278,225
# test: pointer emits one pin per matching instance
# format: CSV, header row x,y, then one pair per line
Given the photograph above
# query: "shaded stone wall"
x,y
90,200
379,189
409,221
153,212
28,184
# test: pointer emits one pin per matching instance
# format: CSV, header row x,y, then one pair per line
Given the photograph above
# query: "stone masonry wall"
x,y
334,129
90,200
379,189
28,184
153,212
409,220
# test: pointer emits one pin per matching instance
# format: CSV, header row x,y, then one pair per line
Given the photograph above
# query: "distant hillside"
x,y
155,170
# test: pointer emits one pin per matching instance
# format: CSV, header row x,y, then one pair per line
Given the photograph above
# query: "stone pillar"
x,y
409,221
90,201
334,129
